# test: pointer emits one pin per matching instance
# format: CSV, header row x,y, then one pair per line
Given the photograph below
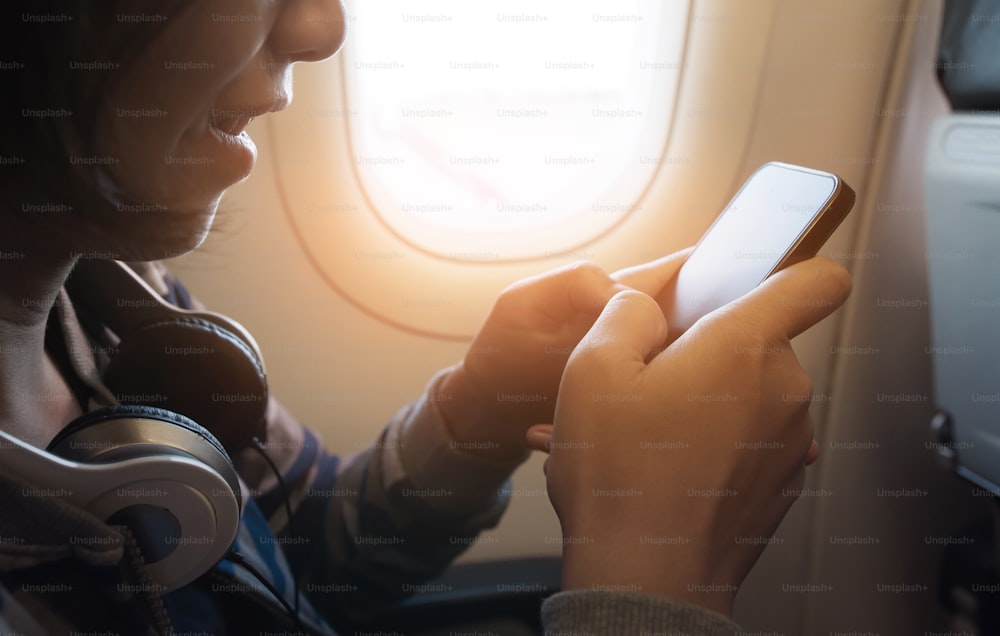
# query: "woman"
x,y
122,130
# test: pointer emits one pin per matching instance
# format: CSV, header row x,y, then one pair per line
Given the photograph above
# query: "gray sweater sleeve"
x,y
601,613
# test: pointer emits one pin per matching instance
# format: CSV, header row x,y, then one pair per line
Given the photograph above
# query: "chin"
x,y
164,233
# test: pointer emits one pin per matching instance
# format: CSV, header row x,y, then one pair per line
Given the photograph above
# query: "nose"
x,y
309,30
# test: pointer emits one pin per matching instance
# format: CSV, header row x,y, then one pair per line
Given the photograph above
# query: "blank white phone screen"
x,y
757,229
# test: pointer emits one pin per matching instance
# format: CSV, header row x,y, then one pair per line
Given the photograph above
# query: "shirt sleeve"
x,y
602,612
367,529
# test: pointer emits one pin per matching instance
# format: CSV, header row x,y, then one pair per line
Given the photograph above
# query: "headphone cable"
x,y
239,559
259,447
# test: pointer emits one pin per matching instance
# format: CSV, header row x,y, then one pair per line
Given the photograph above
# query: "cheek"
x,y
141,124
156,126
160,161
140,138
155,123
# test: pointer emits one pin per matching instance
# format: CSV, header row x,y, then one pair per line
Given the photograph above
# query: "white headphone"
x,y
157,471
153,470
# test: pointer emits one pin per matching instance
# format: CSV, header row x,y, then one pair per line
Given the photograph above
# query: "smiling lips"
x,y
232,121
233,126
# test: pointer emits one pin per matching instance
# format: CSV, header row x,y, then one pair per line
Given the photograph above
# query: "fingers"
x,y
584,288
650,278
812,454
539,437
630,326
562,294
797,297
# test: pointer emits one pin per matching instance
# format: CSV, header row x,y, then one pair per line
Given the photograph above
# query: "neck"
x,y
34,400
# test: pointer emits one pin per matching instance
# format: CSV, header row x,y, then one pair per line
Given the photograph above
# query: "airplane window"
x,y
476,124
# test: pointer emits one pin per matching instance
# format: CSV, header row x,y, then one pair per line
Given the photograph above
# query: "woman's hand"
x,y
669,474
510,376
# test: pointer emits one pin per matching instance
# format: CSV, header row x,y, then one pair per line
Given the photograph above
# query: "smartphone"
x,y
782,215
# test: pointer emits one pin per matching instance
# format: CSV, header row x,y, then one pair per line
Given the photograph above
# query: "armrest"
x,y
488,597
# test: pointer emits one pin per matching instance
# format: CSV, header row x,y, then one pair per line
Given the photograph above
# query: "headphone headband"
x,y
198,363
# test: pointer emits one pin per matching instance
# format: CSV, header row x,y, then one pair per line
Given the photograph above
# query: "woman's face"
x,y
173,125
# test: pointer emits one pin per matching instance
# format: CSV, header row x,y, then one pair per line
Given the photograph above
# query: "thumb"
x,y
796,298
630,326
650,278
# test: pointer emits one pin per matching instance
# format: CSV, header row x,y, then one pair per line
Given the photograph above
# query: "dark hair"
x,y
60,58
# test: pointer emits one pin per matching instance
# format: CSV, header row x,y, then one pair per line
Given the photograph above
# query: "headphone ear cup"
x,y
194,366
127,431
165,477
